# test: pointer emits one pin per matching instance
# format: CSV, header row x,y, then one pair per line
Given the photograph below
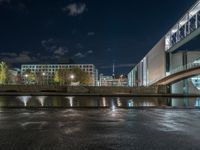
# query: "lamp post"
x,y
43,77
121,77
71,78
26,78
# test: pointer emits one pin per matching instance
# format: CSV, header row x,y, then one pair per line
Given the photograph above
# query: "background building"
x,y
117,80
47,71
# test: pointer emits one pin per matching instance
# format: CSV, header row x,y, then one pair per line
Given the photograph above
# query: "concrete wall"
x,y
176,60
156,62
81,89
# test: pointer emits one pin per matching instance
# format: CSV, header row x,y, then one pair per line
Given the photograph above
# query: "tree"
x,y
81,76
63,76
3,72
30,77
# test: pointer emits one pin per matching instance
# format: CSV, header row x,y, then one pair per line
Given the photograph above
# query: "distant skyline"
x,y
99,32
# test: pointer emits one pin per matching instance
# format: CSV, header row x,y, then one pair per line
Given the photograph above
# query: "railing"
x,y
183,68
178,69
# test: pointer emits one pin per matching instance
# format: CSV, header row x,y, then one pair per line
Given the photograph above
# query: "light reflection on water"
x,y
24,99
107,102
70,98
41,99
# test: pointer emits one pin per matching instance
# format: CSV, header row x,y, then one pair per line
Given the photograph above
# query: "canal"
x,y
98,123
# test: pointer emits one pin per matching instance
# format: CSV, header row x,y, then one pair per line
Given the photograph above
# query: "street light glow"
x,y
72,76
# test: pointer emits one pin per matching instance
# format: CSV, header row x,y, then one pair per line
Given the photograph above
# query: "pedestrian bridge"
x,y
179,74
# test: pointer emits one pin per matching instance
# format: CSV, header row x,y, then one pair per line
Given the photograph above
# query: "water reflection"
x,y
24,99
113,105
130,103
119,104
70,98
105,102
41,99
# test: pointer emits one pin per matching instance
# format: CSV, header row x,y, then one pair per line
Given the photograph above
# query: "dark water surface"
x,y
39,124
99,129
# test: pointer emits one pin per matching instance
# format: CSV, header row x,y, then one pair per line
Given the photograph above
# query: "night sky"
x,y
99,32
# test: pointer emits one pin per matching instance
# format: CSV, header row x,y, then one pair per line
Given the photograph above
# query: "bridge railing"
x,y
177,70
183,68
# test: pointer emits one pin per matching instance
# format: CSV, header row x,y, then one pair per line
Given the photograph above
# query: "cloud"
x,y
22,57
81,55
11,54
52,46
2,2
90,51
49,44
60,51
75,9
91,33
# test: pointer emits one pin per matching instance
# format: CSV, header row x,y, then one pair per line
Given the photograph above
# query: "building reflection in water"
x,y
130,103
197,103
113,107
119,103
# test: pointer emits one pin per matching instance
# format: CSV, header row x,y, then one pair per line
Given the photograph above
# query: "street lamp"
x,y
26,77
43,77
121,77
72,78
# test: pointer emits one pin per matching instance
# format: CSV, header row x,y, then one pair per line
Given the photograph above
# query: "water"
x,y
98,123
99,129
94,102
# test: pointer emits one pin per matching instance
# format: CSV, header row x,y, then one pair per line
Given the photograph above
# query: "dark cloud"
x,y
60,51
22,57
2,2
83,55
53,46
91,33
75,9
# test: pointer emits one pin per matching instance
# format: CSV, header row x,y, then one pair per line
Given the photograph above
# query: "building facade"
x,y
120,80
47,71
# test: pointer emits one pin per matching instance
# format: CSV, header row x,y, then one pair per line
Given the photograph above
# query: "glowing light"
x,y
72,76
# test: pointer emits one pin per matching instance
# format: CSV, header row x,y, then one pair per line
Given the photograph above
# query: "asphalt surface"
x,y
99,129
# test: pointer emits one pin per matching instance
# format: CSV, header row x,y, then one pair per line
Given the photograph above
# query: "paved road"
x,y
99,129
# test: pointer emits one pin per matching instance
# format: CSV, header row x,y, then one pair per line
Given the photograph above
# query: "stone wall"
x,y
84,89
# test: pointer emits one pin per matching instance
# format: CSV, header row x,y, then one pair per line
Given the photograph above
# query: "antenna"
x,y
113,69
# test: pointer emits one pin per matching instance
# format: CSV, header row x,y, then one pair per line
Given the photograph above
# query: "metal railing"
x,y
177,70
183,68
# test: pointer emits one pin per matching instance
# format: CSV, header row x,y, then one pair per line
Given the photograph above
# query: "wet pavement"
x,y
99,129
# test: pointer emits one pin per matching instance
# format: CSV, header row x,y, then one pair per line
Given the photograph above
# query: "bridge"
x,y
156,68
187,28
182,72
